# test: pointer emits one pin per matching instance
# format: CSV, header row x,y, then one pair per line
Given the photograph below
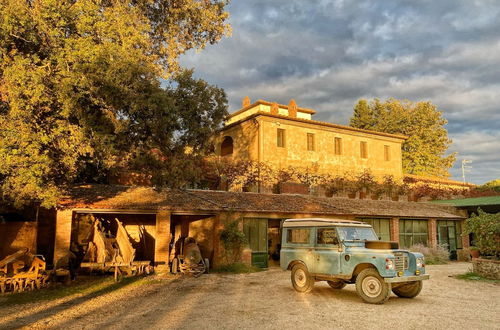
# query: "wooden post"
x,y
162,240
432,232
218,249
63,237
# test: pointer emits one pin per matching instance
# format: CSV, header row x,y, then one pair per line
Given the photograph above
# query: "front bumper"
x,y
406,278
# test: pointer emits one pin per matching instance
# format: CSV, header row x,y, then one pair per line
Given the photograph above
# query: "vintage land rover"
x,y
348,252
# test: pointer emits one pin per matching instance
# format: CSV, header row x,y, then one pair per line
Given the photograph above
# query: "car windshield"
x,y
357,234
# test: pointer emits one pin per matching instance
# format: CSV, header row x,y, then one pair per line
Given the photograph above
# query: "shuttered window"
x,y
280,141
310,141
338,146
387,153
363,149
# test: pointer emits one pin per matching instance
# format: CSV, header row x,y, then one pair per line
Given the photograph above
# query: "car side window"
x,y
327,236
298,235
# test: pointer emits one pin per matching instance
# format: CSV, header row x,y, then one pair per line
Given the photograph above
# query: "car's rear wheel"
x,y
337,285
302,281
408,290
371,287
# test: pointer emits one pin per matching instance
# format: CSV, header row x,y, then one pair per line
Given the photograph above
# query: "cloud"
x,y
328,54
483,149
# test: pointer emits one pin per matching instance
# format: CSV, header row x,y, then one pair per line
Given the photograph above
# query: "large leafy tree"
x,y
424,152
81,89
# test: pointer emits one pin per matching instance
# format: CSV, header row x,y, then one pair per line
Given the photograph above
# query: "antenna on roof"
x,y
465,167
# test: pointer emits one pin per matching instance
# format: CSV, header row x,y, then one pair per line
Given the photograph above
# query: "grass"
x,y
93,286
237,268
470,276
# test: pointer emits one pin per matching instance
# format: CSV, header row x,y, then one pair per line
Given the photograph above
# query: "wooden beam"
x,y
162,240
63,237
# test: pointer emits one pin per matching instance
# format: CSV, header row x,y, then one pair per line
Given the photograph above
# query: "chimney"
x,y
292,109
274,108
245,102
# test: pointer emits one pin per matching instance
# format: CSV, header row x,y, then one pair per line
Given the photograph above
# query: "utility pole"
x,y
465,167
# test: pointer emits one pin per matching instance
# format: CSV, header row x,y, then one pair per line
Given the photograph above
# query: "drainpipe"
x,y
260,141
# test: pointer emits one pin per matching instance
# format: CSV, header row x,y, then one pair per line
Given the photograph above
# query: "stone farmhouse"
x,y
286,135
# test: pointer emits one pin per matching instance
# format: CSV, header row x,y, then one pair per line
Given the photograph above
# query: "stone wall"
x,y
463,254
486,268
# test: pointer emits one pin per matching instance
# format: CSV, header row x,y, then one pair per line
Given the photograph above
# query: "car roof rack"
x,y
322,222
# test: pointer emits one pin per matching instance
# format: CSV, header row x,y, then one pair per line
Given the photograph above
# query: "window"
x,y
381,226
363,149
412,232
327,236
280,141
338,146
387,153
449,233
226,148
298,235
310,141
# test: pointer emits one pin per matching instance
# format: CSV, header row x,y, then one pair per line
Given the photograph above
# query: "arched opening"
x,y
226,148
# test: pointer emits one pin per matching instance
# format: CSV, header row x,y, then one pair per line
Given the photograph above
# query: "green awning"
x,y
477,201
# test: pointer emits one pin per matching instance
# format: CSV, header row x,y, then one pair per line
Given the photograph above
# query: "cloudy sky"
x,y
328,54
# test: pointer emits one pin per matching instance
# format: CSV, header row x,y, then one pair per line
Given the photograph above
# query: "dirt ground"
x,y
265,300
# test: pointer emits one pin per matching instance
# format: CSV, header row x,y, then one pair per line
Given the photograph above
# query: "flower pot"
x,y
474,253
351,195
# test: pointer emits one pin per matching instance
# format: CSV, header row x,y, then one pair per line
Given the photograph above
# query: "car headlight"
x,y
420,262
389,264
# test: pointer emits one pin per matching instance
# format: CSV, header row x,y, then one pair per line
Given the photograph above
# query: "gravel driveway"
x,y
266,300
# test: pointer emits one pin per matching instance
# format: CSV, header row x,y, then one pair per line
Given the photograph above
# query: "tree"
x,y
424,152
81,89
486,230
491,185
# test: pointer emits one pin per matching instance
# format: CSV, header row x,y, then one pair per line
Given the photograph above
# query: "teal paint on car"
x,y
348,252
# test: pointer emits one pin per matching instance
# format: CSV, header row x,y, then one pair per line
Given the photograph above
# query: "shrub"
x,y
486,230
233,240
433,256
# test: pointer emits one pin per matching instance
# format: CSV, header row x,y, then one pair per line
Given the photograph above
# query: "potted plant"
x,y
474,252
377,191
351,188
334,186
365,182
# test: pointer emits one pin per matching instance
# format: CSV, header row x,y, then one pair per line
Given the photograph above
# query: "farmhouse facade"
x,y
286,135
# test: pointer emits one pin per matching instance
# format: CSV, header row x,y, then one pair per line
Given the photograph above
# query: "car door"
x,y
326,251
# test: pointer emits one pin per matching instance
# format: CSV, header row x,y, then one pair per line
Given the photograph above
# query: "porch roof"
x,y
148,198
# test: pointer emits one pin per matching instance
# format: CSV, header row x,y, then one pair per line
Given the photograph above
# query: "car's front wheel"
x,y
371,287
302,281
408,290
